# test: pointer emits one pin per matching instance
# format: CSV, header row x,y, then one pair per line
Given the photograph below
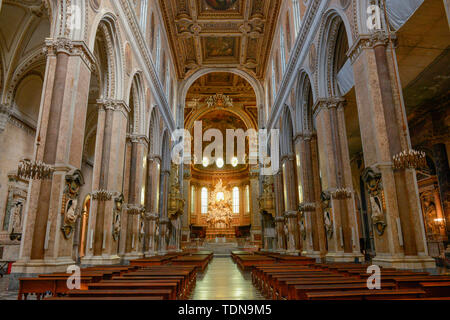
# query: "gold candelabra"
x,y
410,159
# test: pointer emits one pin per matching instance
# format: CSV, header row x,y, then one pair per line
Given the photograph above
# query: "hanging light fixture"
x,y
234,162
410,159
34,170
219,163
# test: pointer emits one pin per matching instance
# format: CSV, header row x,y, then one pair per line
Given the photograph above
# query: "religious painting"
x,y
221,5
220,47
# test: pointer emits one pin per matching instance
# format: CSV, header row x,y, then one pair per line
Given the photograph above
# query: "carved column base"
x,y
100,260
344,257
405,262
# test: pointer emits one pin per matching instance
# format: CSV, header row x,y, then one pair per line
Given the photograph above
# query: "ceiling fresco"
x,y
223,33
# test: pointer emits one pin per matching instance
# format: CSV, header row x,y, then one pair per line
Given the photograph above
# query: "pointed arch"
x,y
335,32
154,147
137,103
304,101
106,39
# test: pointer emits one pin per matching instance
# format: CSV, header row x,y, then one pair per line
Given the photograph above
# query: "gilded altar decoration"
x,y
220,207
219,100
117,216
327,213
71,211
372,178
410,159
176,200
266,201
34,170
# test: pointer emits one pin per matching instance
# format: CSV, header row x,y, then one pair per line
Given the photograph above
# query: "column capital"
x,y
307,135
112,104
151,216
328,103
290,214
72,48
369,41
138,138
154,158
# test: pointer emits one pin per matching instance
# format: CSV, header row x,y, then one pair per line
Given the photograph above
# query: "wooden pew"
x,y
299,291
199,261
365,294
173,286
107,294
103,298
436,288
45,285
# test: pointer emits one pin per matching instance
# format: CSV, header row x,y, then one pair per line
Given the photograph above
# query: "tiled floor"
x,y
223,280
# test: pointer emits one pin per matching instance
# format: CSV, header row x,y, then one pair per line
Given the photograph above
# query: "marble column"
x,y
186,218
254,206
134,208
308,166
384,133
279,218
107,179
291,204
59,142
151,204
443,174
336,175
164,222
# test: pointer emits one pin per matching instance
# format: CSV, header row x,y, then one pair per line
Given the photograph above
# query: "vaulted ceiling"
x,y
220,33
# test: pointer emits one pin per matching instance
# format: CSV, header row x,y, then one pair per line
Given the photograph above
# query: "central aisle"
x,y
223,280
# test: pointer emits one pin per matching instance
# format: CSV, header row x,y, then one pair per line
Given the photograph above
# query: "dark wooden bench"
x,y
171,285
365,294
47,285
299,291
166,294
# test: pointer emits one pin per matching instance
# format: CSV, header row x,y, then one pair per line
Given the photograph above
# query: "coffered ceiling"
x,y
220,33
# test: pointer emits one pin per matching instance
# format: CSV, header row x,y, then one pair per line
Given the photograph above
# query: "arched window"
x,y
236,200
297,17
192,199
204,200
247,199
283,51
158,50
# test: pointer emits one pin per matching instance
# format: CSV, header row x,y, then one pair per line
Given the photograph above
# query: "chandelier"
x,y
410,159
342,193
219,100
34,170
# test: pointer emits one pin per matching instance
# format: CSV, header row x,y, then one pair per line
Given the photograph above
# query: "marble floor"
x,y
223,280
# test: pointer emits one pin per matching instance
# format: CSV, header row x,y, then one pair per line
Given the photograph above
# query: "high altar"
x,y
220,213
